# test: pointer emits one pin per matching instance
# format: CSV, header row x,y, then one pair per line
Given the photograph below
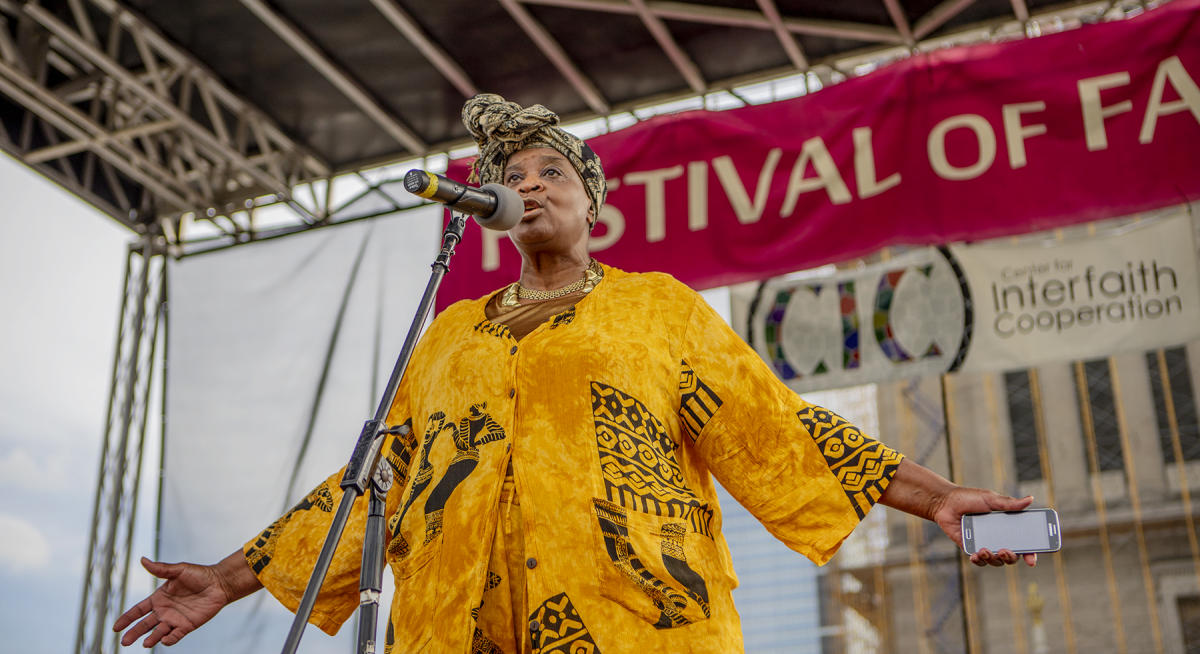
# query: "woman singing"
x,y
555,491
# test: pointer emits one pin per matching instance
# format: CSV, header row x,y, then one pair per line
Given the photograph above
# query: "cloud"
x,y
35,471
24,548
17,468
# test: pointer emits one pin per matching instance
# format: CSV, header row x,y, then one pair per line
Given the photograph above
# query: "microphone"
x,y
493,205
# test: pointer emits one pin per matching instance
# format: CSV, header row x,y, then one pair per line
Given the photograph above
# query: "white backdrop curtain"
x,y
277,353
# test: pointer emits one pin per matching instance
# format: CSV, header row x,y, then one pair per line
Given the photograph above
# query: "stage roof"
x,y
156,109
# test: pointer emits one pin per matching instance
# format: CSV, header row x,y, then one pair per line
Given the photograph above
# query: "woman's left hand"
x,y
962,501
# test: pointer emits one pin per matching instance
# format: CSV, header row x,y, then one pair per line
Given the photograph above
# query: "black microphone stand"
x,y
364,472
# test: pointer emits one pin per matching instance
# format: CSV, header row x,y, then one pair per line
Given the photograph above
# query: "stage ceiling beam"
x,y
348,86
441,60
900,20
90,136
683,63
557,56
938,16
731,17
786,39
51,152
1020,10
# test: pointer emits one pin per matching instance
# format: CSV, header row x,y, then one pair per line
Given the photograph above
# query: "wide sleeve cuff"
x,y
283,555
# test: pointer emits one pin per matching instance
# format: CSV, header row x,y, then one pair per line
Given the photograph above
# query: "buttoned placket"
x,y
525,639
514,394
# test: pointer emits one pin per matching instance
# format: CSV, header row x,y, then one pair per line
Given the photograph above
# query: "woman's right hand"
x,y
191,596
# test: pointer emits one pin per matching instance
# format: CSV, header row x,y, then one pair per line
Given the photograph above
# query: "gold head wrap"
x,y
502,128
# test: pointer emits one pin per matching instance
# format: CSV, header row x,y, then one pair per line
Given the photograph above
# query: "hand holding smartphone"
x,y
1022,532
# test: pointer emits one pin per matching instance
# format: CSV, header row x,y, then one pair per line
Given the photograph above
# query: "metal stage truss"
x,y
116,498
132,123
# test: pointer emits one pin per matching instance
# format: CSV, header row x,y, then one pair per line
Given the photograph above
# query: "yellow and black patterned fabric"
x,y
560,629
698,403
637,457
863,465
501,128
613,417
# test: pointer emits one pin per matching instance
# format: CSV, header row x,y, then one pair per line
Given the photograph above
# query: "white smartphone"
x,y
1031,530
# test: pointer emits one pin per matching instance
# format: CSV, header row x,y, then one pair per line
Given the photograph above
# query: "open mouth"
x,y
531,208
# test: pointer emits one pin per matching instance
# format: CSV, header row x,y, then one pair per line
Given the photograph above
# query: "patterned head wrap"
x,y
502,128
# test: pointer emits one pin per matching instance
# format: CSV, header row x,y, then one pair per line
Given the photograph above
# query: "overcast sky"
x,y
61,268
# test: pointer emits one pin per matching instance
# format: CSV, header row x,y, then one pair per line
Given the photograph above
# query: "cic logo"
x,y
912,315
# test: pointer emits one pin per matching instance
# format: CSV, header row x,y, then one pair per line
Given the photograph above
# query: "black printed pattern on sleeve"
x,y
697,402
259,554
862,465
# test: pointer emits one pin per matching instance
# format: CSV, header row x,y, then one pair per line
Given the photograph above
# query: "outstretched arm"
x,y
191,596
922,492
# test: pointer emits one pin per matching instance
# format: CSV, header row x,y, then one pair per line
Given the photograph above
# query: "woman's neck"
x,y
547,271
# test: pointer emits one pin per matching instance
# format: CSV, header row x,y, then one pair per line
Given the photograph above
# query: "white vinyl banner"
x,y
992,306
1134,289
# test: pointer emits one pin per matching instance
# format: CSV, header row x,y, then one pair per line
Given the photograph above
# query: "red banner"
x,y
957,145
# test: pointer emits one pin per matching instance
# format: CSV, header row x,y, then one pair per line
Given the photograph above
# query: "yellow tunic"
x,y
613,414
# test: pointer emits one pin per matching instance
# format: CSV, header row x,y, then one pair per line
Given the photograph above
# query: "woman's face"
x,y
557,208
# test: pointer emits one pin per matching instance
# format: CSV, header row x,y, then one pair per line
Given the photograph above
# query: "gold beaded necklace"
x,y
515,292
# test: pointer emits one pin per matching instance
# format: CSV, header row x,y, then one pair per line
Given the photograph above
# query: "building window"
x,y
1179,378
1099,397
1026,454
1189,623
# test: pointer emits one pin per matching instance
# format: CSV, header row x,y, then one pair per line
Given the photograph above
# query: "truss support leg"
x,y
115,503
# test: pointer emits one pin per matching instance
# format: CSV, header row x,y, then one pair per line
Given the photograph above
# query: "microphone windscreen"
x,y
509,208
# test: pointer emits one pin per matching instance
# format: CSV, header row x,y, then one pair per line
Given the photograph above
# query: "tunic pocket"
x,y
657,567
411,630
414,563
